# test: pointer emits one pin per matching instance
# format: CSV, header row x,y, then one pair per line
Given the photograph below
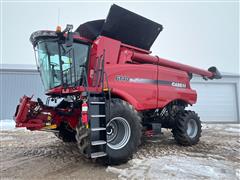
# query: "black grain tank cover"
x,y
91,30
125,26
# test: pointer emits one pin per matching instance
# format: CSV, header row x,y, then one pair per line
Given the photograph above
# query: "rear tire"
x,y
125,122
187,130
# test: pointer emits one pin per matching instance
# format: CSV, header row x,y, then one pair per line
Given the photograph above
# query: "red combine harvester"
x,y
111,90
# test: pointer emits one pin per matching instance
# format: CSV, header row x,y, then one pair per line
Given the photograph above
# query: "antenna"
x,y
58,19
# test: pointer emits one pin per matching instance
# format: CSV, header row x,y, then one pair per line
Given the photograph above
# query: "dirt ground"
x,y
40,155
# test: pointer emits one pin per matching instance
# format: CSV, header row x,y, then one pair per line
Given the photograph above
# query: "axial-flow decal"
x,y
151,81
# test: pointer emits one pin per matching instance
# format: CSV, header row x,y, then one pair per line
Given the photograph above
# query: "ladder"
x,y
97,120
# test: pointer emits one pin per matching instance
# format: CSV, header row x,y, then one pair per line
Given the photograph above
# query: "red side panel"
x,y
111,48
127,81
145,89
174,85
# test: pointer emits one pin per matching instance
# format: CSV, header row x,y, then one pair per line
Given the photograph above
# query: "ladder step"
x,y
99,142
98,129
95,102
98,154
97,116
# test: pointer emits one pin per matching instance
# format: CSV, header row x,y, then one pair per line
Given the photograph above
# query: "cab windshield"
x,y
60,64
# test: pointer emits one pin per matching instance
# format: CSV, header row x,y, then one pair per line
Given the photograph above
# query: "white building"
x,y
218,100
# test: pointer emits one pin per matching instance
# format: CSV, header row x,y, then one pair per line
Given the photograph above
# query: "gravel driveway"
x,y
40,155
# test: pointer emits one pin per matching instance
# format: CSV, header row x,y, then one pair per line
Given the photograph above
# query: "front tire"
x,y
66,134
124,131
187,129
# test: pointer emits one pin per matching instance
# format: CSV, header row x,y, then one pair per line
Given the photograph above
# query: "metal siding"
x,y
13,86
217,102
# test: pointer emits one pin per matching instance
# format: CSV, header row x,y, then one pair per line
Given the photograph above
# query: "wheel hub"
x,y
118,133
111,131
192,128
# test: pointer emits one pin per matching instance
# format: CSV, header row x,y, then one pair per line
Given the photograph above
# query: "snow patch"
x,y
234,130
9,125
238,173
6,138
180,167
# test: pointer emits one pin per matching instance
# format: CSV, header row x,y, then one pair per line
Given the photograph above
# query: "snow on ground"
x,y
236,130
180,167
9,125
232,128
216,156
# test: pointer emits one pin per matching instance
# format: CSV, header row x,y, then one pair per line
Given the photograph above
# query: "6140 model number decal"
x,y
122,78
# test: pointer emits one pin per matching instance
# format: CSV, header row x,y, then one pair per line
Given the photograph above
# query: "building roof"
x,y
19,66
230,74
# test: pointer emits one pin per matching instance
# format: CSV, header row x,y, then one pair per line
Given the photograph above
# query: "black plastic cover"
x,y
125,26
40,35
130,28
91,30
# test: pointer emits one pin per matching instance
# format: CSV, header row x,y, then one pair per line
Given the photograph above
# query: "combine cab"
x,y
111,89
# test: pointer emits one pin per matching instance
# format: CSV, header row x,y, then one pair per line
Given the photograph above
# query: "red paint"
x,y
130,63
144,58
25,115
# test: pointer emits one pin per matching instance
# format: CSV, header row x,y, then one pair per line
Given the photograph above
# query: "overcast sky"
x,y
198,34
